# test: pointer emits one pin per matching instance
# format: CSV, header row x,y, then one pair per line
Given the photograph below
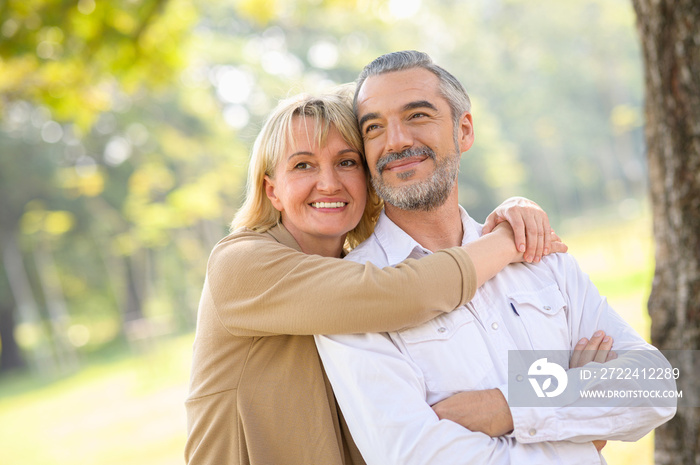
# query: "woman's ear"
x,y
269,184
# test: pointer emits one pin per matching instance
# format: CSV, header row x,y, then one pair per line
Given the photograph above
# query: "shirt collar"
x,y
399,246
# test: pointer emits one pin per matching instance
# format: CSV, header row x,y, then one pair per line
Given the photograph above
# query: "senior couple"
x,y
412,328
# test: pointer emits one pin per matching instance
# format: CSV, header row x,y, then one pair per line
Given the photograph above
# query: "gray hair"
x,y
450,88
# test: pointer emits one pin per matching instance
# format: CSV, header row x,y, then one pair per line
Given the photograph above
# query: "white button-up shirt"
x,y
386,383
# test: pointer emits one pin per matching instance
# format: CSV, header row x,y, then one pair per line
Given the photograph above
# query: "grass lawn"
x,y
129,409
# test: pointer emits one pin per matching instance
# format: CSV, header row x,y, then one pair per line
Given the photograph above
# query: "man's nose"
x,y
398,137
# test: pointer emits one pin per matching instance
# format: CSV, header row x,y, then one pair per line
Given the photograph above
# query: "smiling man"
x,y
437,393
396,176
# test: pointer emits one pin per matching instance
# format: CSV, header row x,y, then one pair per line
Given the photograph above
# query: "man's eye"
x,y
370,127
418,115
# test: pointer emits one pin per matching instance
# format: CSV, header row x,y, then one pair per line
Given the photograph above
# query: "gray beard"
x,y
419,196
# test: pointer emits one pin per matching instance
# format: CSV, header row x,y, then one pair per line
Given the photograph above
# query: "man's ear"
x,y
465,132
270,192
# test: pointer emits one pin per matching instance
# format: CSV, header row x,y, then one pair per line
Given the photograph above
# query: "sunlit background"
x,y
125,129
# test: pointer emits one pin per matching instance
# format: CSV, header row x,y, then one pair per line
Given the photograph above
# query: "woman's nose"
x,y
328,181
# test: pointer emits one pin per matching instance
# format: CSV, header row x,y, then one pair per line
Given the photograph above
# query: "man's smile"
x,y
405,164
406,160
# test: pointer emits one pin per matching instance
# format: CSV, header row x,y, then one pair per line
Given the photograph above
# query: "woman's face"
x,y
320,191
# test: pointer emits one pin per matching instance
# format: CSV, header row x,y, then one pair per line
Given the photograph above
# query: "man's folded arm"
x,y
383,399
589,312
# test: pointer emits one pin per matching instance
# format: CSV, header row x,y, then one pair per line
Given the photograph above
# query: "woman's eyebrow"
x,y
298,154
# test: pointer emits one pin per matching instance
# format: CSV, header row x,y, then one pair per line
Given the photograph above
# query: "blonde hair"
x,y
335,108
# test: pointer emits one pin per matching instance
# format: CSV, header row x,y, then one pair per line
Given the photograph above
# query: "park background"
x,y
125,129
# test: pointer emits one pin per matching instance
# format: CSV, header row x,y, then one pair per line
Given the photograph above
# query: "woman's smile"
x,y
328,205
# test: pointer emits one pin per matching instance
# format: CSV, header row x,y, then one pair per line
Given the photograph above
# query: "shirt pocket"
x,y
450,351
544,316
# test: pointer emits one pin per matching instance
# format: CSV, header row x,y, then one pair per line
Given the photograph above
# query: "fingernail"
x,y
598,333
521,248
546,251
606,339
582,341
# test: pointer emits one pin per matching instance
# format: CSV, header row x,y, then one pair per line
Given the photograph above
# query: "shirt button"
x,y
494,325
441,329
532,432
519,378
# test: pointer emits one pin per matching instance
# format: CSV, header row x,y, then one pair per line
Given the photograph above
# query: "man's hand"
x,y
530,226
597,349
485,411
599,444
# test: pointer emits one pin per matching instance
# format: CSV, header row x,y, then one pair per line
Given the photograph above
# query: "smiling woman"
x,y
319,190
258,392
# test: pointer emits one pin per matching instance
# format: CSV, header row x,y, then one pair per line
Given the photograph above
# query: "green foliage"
x,y
72,56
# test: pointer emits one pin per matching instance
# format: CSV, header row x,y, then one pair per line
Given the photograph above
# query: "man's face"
x,y
411,142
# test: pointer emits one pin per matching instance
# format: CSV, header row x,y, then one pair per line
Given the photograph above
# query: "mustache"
x,y
408,153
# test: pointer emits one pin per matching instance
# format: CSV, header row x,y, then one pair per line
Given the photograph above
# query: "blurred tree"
x,y
670,36
62,65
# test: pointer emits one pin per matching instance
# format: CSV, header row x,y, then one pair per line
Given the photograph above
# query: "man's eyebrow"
x,y
407,107
419,104
367,117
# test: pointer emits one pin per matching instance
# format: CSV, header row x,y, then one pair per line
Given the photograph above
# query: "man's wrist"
x,y
503,419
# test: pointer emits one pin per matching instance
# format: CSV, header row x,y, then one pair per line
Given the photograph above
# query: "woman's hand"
x,y
530,226
492,252
556,244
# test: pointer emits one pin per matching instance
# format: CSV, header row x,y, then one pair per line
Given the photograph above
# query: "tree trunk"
x,y
10,353
670,38
59,319
23,297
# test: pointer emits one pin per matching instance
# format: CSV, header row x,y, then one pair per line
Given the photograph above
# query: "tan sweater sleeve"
x,y
261,287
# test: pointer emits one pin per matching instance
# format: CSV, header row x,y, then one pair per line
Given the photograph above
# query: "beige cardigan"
x,y
258,392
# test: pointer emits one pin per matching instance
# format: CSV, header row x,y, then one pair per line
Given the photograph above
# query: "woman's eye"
x,y
348,163
301,166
